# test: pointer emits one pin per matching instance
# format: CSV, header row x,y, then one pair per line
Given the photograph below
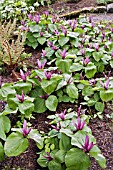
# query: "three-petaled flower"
x,y
25,130
87,146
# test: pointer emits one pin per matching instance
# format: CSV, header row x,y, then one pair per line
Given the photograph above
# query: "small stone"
x,y
110,8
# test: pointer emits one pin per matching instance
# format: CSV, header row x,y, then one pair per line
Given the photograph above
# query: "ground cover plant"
x,y
74,67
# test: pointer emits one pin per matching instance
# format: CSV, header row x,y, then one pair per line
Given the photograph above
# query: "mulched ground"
x,y
101,129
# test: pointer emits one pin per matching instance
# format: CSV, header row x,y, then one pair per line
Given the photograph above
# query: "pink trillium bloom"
x,y
21,98
87,146
25,130
79,125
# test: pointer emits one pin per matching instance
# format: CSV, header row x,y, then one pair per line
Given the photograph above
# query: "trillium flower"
x,y
58,127
62,115
87,146
90,18
64,30
107,76
30,16
106,84
82,51
48,75
22,22
96,46
48,156
25,130
49,43
92,82
54,48
79,125
53,20
23,75
63,53
56,32
21,98
40,65
79,112
41,34
112,54
46,14
85,61
36,18
0,82
43,53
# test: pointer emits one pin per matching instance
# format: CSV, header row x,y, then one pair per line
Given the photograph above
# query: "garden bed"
x,y
101,128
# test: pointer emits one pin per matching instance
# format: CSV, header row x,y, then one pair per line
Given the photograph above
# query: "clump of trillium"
x,y
87,145
48,156
24,75
79,124
57,127
107,82
48,74
21,98
85,61
96,46
80,112
63,53
0,82
25,130
41,65
62,115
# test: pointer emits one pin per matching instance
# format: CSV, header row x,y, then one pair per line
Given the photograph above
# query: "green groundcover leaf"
x,y
51,103
76,159
53,165
1,152
106,95
72,91
15,144
4,126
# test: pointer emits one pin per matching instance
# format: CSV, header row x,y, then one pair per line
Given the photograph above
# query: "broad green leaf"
x,y
26,108
42,161
15,144
111,63
76,67
60,156
1,152
77,159
97,55
63,40
106,95
5,126
90,70
51,103
35,28
99,106
25,86
41,40
65,142
34,134
96,153
39,103
5,90
52,27
64,65
72,91
53,165
49,86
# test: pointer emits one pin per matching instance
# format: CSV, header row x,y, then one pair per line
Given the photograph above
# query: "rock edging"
x,y
98,9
